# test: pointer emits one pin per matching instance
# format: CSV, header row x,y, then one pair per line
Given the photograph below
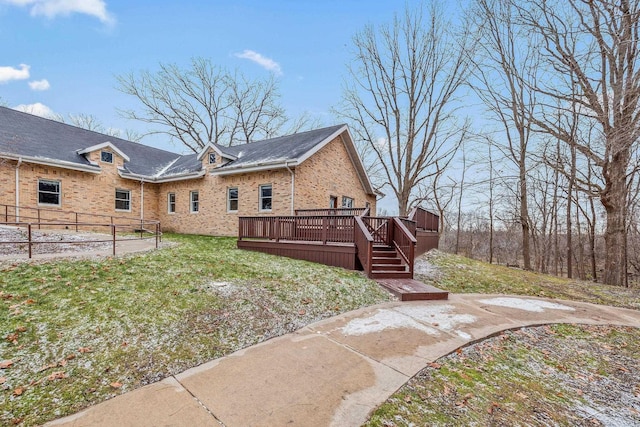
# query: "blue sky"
x,y
65,54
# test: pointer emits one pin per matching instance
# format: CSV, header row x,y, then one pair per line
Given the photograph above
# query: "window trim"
x,y
171,204
191,202
58,193
344,199
260,198
102,153
229,199
128,200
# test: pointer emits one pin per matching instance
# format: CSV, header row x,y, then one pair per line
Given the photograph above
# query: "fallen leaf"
x,y
407,398
3,380
435,365
302,312
21,329
116,384
59,375
5,364
16,421
49,366
70,357
18,391
84,350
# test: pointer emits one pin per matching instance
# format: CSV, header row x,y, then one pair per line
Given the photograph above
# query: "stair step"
x,y
384,254
387,260
384,274
388,267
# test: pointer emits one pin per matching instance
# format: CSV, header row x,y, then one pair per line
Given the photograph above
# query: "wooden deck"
x,y
412,290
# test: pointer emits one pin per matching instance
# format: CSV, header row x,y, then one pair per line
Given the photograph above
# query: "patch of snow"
x,y
383,320
531,305
605,417
425,268
223,288
441,316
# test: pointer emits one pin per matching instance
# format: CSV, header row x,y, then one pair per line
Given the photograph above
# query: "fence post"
x,y
38,218
277,229
113,233
76,222
157,233
29,238
141,227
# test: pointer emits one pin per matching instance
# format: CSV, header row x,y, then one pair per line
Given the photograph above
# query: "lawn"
x,y
549,375
77,332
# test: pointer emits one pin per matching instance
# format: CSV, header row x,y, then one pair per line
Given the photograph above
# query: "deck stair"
x,y
387,263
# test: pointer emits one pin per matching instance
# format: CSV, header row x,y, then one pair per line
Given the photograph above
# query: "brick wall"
x,y
329,173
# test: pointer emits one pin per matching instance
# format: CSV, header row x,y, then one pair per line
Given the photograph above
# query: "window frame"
x,y
261,198
127,199
171,204
212,158
346,205
58,183
194,205
236,199
102,156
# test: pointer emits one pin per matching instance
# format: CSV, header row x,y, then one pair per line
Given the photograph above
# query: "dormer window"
x,y
212,158
106,156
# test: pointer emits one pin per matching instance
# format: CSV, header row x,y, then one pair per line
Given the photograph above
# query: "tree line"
x,y
517,122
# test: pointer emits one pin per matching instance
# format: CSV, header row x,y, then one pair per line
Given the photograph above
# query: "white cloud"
x,y
10,73
39,84
37,109
53,8
263,61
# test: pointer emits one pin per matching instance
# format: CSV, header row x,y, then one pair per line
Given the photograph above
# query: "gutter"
x,y
150,179
17,198
54,163
293,188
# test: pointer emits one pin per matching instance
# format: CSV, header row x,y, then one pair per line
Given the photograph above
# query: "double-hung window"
x,y
123,200
48,192
194,202
171,202
347,202
232,199
266,196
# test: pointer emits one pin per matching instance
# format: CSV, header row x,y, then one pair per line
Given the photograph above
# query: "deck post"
x,y
277,229
113,233
29,238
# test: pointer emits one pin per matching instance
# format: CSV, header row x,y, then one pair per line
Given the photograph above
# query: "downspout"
x,y
293,183
17,200
141,200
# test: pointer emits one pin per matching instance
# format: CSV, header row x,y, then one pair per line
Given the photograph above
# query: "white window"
x,y
232,199
171,202
265,197
212,158
106,156
48,192
195,202
123,200
347,202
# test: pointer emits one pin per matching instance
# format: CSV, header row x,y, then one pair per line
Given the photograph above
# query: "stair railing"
x,y
404,242
364,245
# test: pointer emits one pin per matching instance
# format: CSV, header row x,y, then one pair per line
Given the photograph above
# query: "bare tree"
x,y
205,103
504,67
596,42
401,97
92,123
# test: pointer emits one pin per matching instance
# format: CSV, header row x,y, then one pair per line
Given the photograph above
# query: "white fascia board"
x,y
145,178
217,150
101,146
256,168
54,163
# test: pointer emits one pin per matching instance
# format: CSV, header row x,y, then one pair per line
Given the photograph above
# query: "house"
x,y
48,164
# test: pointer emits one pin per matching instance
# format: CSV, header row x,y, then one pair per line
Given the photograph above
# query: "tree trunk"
x,y
614,200
524,218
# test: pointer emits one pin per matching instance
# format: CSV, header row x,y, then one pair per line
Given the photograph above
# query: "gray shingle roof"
x,y
26,135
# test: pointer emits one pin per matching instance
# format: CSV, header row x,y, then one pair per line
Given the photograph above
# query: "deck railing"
x,y
330,211
316,228
424,219
379,229
364,245
403,241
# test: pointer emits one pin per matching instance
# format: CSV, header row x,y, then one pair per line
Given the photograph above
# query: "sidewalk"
x,y
334,372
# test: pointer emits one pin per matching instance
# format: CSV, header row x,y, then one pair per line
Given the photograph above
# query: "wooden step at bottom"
x,y
386,274
388,267
387,260
412,290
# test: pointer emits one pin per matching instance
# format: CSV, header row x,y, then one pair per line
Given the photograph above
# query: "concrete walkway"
x,y
334,372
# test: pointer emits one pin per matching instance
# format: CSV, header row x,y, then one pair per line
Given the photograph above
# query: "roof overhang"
x,y
151,179
51,162
102,146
